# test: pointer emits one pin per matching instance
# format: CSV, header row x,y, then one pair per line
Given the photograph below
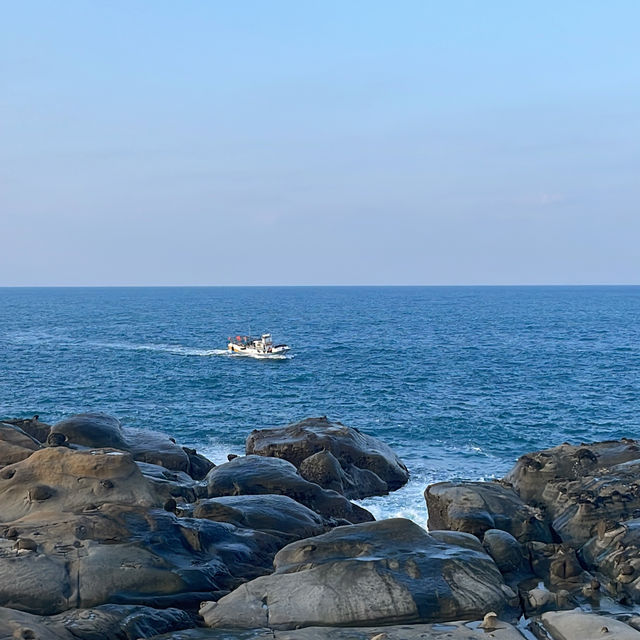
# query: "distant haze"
x,y
333,142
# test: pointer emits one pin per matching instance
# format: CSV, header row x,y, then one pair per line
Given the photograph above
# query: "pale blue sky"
x,y
318,142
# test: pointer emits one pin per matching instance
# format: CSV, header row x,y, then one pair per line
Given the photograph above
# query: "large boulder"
x,y
476,507
81,528
353,449
99,430
95,430
277,515
538,476
387,572
581,489
255,475
60,480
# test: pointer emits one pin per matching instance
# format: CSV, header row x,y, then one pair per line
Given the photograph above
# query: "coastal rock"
x,y
15,444
324,469
578,625
99,430
32,426
476,507
352,448
108,622
199,465
154,448
277,515
255,475
386,572
506,551
536,475
613,554
449,631
60,480
95,430
128,555
582,488
170,484
85,527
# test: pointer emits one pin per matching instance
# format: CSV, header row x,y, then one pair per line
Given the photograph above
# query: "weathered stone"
x,y
274,514
505,550
96,430
475,507
578,625
352,448
373,573
254,475
15,444
31,426
108,622
352,482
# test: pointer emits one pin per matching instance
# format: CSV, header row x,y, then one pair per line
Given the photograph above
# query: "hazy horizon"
x,y
341,144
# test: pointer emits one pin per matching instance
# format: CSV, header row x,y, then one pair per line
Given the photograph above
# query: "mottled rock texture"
x,y
386,572
368,465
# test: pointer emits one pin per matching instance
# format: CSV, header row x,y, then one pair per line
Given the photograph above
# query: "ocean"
x,y
460,381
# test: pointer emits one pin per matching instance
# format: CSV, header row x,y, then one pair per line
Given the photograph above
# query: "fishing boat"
x,y
261,347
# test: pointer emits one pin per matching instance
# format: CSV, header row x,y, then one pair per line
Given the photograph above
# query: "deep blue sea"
x,y
460,381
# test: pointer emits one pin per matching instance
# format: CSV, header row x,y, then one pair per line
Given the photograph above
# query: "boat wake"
x,y
164,348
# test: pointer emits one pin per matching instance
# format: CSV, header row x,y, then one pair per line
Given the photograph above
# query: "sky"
x,y
319,142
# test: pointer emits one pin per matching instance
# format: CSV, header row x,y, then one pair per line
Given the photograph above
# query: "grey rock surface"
x,y
386,572
353,449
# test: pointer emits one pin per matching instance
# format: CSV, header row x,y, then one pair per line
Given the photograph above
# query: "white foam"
x,y
164,348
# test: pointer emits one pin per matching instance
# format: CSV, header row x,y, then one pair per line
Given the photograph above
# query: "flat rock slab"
x,y
578,625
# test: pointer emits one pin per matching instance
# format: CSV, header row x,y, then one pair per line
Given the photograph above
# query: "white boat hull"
x,y
275,352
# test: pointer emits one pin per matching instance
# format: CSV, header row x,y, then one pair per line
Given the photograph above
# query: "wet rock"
x,y
154,448
274,514
352,448
373,573
476,507
129,555
56,440
255,475
102,536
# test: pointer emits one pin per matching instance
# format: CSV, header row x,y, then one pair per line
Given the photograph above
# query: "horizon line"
x,y
307,286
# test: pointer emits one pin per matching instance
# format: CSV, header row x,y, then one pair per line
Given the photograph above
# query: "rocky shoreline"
x,y
112,533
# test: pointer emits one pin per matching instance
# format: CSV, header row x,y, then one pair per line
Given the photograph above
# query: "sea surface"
x,y
460,381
